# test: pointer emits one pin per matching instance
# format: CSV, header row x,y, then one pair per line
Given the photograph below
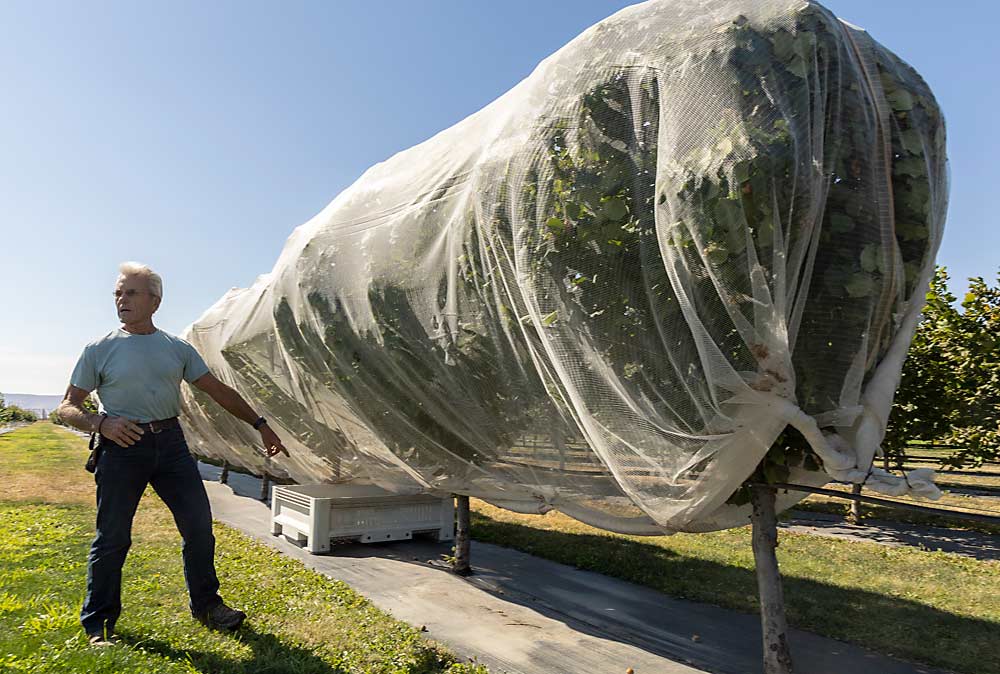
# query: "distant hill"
x,y
33,402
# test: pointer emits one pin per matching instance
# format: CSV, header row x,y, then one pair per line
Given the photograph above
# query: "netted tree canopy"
x,y
612,289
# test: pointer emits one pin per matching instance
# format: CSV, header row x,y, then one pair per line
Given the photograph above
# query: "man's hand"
x,y
234,403
123,431
272,444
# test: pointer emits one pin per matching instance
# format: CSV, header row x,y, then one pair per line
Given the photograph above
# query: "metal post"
x,y
777,655
462,567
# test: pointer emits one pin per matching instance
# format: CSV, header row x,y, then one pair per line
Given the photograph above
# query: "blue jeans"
x,y
162,460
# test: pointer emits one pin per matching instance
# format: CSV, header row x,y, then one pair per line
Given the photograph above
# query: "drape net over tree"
x,y
609,291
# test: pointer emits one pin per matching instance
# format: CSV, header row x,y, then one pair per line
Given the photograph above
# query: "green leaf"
x,y
840,223
798,67
900,100
590,197
774,473
711,189
860,285
912,141
716,253
911,231
549,319
917,198
556,223
910,166
614,209
741,171
784,45
729,215
870,257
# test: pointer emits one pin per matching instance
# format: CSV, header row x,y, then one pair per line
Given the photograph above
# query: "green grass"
x,y
930,607
934,608
300,622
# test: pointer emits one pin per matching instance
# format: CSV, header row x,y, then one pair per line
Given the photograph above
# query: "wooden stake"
x,y
265,487
855,515
462,566
777,656
224,477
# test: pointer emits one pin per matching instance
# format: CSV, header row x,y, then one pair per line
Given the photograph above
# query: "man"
x,y
137,370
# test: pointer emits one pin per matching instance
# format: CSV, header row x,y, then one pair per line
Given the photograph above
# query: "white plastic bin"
x,y
315,514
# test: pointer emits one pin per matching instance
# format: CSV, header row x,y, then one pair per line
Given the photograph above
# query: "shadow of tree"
x,y
883,622
973,544
270,654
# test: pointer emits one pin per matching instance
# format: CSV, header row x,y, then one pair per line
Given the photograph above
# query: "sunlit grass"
x,y
300,621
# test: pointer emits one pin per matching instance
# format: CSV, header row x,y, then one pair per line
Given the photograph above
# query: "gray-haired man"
x,y
137,370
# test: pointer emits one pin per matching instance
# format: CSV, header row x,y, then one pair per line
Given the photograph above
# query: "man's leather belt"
x,y
160,424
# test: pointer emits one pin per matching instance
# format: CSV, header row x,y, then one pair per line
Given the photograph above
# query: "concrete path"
x,y
522,615
12,427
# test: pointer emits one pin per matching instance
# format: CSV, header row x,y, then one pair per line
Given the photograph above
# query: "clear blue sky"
x,y
194,136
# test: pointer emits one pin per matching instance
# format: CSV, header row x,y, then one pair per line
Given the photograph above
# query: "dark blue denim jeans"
x,y
162,460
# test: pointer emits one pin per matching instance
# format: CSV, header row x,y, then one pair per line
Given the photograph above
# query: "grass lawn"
x,y
929,607
300,621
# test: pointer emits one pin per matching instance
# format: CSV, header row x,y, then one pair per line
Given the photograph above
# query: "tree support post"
x,y
774,627
855,515
462,565
265,487
224,476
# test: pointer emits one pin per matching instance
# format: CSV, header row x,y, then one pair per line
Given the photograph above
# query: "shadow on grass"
x,y
270,654
888,624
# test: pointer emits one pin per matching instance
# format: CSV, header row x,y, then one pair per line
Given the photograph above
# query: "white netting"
x,y
609,291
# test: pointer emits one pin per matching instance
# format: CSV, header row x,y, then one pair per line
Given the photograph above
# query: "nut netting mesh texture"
x,y
610,291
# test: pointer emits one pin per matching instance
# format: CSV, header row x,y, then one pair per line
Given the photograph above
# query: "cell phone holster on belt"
x,y
95,453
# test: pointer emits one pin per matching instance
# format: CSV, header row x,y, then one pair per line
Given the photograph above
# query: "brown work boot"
x,y
221,617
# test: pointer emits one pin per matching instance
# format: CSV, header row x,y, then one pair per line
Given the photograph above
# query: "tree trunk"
x,y
462,566
224,476
777,656
855,515
265,487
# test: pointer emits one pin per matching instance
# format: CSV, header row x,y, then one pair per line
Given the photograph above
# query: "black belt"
x,y
160,425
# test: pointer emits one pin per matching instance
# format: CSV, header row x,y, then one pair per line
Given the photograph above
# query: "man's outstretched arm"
x,y
233,402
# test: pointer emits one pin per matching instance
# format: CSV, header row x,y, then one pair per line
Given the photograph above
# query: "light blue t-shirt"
x,y
138,376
